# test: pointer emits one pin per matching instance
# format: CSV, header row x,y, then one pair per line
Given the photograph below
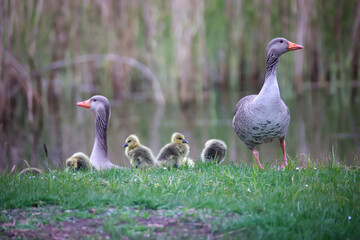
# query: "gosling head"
x,y
132,141
97,104
279,46
178,138
72,163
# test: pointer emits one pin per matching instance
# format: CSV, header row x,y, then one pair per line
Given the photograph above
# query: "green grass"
x,y
292,204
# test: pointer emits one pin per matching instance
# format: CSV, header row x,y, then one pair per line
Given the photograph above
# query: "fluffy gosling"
x,y
139,155
78,161
174,153
214,150
188,161
31,171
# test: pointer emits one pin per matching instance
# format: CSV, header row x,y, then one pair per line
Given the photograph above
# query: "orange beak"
x,y
84,104
293,46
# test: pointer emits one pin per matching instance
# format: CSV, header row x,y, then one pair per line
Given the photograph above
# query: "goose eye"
x,y
281,41
94,100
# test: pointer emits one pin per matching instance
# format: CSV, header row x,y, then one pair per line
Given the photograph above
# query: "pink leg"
x,y
284,160
256,155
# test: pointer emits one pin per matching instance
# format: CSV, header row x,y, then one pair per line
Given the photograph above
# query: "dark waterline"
x,y
322,128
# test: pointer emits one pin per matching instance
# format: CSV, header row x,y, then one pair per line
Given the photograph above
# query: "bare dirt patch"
x,y
53,223
46,223
77,229
184,226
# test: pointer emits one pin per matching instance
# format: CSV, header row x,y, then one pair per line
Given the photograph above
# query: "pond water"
x,y
322,128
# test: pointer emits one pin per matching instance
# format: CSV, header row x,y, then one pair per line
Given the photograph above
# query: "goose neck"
x,y
101,125
271,62
100,146
270,90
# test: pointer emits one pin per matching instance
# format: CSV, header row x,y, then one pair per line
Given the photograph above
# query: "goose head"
x,y
97,104
178,138
279,46
132,141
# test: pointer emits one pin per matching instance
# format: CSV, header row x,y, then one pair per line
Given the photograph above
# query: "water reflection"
x,y
320,126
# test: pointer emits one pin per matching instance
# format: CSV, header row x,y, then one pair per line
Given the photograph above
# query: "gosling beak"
x,y
294,46
84,104
125,145
184,141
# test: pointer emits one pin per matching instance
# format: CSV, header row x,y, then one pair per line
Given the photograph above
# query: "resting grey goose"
x,y
99,155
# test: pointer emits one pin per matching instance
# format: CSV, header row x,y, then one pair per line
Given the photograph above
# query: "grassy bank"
x,y
206,201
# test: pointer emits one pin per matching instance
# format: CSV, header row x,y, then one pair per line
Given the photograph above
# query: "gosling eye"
x,y
179,138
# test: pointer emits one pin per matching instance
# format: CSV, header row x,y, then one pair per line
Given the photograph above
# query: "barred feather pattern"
x,y
102,122
254,127
271,63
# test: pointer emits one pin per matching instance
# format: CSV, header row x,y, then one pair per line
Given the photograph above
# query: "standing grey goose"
x,y
101,106
264,117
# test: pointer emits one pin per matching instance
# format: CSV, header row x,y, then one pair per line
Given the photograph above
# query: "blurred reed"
x,y
173,51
